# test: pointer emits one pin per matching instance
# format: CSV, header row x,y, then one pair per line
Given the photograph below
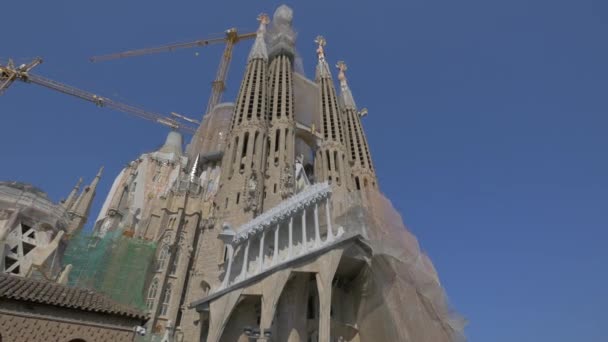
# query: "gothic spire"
x,y
346,95
80,209
332,165
72,196
360,156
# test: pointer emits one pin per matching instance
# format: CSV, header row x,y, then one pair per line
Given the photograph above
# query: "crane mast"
x,y
8,74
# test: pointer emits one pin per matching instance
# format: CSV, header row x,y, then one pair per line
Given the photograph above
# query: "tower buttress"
x,y
280,167
242,181
363,174
331,162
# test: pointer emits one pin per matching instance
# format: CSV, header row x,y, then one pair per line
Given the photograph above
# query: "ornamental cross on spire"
x,y
341,75
320,40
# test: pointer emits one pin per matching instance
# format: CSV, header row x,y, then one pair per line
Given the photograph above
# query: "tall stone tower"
x,y
331,164
242,180
363,174
281,131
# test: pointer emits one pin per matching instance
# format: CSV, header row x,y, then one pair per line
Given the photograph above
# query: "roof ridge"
x,y
49,293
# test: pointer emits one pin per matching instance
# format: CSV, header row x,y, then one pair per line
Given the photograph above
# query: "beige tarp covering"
x,y
402,299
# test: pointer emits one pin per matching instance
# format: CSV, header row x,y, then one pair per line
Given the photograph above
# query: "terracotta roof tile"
x,y
45,292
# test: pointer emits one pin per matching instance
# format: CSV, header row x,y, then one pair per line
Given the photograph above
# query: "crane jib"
x,y
9,74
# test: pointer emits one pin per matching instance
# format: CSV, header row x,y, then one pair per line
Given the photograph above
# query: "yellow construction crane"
x,y
230,38
9,73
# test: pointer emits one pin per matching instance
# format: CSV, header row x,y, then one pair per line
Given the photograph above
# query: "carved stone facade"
x,y
244,238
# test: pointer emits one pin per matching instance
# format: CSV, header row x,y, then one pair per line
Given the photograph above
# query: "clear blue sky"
x,y
487,123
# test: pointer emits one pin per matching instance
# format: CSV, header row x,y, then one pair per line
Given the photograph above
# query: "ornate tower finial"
x,y
264,19
321,42
341,75
259,46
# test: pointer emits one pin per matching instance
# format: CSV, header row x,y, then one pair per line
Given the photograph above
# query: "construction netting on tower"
x,y
402,299
115,264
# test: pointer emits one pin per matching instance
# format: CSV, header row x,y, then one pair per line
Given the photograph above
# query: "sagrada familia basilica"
x,y
270,225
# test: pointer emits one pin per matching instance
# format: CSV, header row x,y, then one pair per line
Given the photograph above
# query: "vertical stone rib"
x,y
280,166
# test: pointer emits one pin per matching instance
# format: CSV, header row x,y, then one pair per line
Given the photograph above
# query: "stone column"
x,y
290,248
261,266
324,279
230,251
275,257
317,233
243,274
219,312
296,318
272,289
304,242
330,233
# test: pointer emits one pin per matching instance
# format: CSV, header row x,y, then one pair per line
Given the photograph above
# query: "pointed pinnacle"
x,y
263,18
341,75
321,42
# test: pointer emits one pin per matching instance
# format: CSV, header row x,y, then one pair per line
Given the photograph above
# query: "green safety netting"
x,y
115,264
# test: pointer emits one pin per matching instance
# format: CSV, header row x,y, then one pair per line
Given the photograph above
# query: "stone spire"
x,y
280,168
363,174
331,123
79,211
322,67
72,196
331,163
346,95
259,50
242,179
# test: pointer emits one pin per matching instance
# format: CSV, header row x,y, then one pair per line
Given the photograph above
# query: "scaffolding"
x,y
117,265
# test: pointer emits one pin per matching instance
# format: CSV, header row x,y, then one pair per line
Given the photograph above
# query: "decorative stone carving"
x,y
287,181
251,192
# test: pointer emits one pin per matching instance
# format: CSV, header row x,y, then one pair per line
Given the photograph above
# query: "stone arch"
x,y
166,300
247,312
163,256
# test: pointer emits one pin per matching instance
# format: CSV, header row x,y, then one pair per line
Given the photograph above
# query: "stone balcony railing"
x,y
286,233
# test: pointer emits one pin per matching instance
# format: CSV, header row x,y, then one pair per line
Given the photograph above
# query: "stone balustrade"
x,y
293,229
